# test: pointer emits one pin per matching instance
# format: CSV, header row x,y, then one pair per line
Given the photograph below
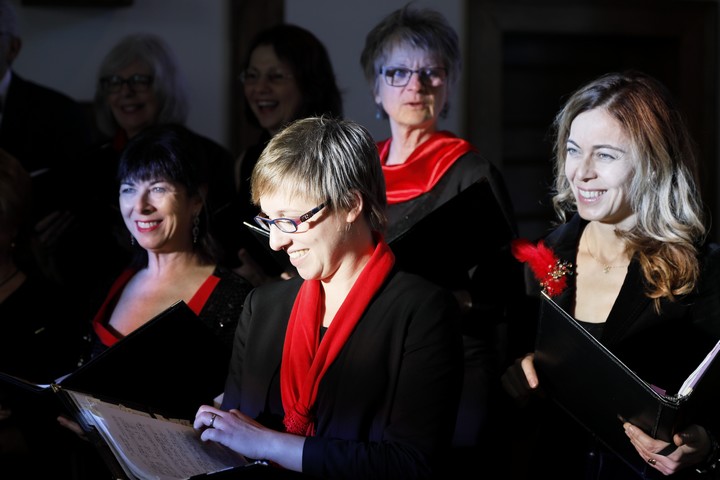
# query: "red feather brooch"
x,y
548,269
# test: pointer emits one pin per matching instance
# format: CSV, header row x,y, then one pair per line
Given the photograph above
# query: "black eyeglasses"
x,y
288,225
136,83
252,77
400,76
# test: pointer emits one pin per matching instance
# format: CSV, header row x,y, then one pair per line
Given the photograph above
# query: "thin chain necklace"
x,y
9,277
606,266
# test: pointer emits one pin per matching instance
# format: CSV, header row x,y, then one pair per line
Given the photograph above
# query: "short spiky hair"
x,y
425,29
321,159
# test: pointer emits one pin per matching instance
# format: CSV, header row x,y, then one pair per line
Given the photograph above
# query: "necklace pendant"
x,y
606,268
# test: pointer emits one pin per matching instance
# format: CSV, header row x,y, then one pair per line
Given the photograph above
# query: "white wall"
x,y
63,46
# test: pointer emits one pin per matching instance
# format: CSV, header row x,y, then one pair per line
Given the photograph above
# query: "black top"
x,y
662,348
386,406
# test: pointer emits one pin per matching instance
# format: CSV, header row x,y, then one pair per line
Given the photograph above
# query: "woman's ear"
x,y
198,200
356,210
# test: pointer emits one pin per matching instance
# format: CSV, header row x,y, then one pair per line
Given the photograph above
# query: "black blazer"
x,y
662,348
386,407
43,129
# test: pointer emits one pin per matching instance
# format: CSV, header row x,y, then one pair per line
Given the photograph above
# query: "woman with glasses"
x,y
286,75
139,84
353,368
412,61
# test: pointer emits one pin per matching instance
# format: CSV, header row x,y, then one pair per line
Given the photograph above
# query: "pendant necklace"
x,y
606,266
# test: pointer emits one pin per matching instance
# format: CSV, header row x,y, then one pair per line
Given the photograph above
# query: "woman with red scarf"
x,y
353,368
411,61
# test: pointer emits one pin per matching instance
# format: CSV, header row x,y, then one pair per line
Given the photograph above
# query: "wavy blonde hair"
x,y
664,192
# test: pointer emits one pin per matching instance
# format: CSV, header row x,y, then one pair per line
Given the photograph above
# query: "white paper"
x,y
155,448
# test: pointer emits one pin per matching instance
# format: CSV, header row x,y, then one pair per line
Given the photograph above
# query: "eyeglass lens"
x,y
253,77
288,225
137,83
399,77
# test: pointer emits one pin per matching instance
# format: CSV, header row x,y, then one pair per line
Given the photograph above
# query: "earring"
x,y
196,228
132,240
379,111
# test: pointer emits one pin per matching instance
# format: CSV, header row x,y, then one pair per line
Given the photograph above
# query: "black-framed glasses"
x,y
400,76
288,225
252,77
136,83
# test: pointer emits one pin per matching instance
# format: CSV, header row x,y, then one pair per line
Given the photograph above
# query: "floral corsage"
x,y
548,269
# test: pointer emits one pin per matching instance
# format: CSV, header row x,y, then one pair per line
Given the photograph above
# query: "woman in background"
x,y
412,61
286,75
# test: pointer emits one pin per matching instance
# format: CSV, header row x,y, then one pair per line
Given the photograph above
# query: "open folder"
x,y
600,392
174,361
141,445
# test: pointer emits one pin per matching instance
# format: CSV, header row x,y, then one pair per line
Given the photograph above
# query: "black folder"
x,y
174,361
446,228
599,391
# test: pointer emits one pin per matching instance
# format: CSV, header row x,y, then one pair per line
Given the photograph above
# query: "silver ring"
x,y
212,420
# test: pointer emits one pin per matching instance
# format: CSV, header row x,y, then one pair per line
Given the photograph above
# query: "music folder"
x,y
174,362
139,444
596,388
416,243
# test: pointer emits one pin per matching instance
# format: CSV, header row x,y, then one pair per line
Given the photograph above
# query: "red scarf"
x,y
305,358
424,168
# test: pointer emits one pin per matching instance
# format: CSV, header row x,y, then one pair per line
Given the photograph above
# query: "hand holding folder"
x,y
594,386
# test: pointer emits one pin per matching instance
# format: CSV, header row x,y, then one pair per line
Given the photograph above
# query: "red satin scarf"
x,y
305,358
424,168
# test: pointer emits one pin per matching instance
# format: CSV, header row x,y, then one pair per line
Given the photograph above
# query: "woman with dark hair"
x,y
164,183
163,186
139,84
286,75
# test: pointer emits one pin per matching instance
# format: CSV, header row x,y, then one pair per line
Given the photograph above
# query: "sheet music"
x,y
155,448
689,384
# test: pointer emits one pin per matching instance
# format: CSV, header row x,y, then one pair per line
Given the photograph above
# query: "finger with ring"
x,y
212,420
651,461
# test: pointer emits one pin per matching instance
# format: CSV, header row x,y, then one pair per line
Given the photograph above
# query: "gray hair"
x,y
425,29
324,159
168,83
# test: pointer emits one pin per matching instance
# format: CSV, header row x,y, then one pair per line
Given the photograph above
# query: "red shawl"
x,y
305,358
424,168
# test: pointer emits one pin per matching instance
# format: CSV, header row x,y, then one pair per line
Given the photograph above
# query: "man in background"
x,y
43,128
